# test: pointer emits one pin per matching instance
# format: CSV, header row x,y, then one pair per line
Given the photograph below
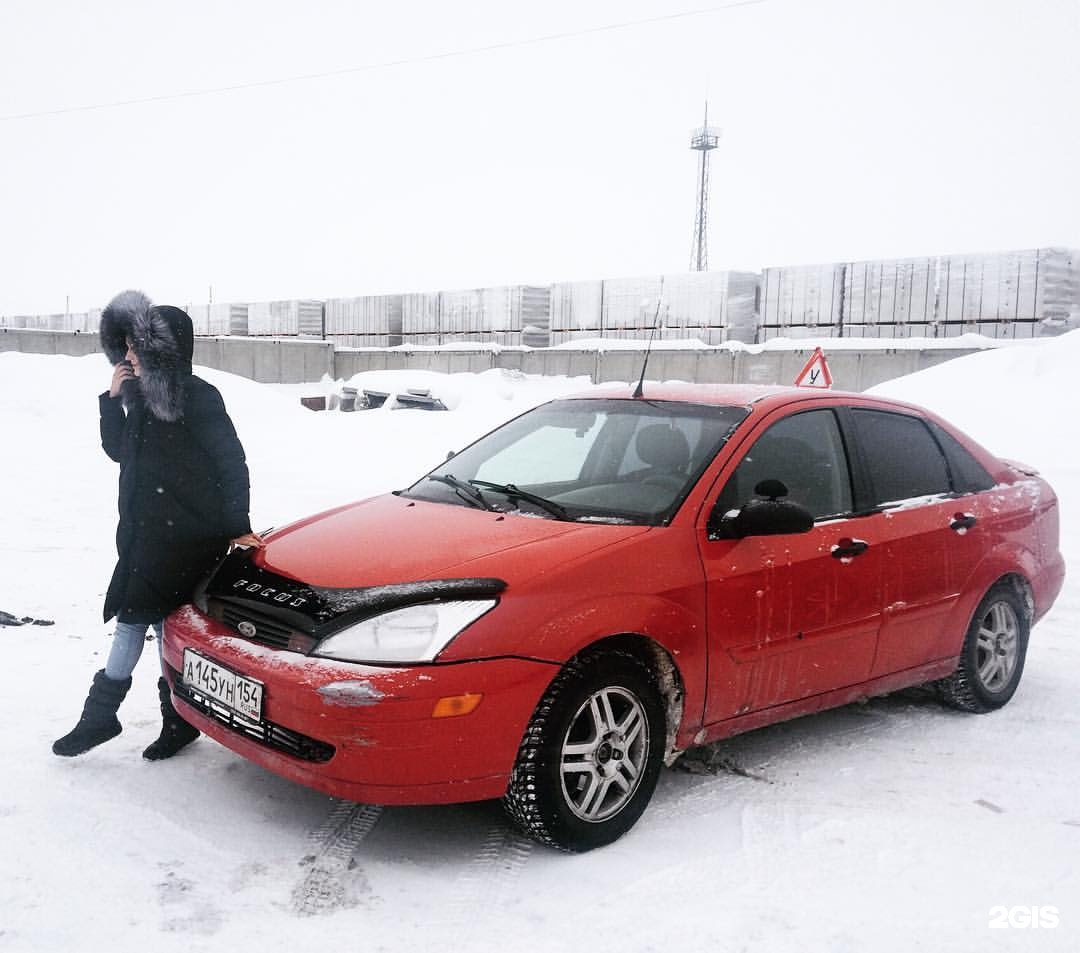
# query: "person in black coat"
x,y
183,500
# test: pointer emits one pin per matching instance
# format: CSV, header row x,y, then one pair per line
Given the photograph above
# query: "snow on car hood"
x,y
389,539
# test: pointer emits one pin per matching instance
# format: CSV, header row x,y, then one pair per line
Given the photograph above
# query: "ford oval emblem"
x,y
247,629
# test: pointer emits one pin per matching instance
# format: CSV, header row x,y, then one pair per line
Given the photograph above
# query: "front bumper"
x,y
363,732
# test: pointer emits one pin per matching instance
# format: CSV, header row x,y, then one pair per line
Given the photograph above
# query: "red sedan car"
x,y
563,606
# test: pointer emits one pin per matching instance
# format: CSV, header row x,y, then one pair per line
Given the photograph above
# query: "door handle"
x,y
849,548
962,522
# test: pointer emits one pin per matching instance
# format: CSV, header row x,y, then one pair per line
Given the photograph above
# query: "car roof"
x,y
761,400
720,395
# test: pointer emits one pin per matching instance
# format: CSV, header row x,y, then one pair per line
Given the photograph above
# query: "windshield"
x,y
602,460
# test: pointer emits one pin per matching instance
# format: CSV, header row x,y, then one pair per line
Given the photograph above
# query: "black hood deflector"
x,y
321,611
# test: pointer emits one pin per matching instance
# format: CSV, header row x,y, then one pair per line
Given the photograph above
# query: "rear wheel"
x,y
591,756
992,659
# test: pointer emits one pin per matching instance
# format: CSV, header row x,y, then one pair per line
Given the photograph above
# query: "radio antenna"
x,y
639,390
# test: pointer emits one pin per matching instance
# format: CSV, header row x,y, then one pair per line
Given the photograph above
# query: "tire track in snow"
x,y
332,881
487,881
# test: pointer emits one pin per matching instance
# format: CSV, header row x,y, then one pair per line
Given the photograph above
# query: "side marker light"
x,y
453,705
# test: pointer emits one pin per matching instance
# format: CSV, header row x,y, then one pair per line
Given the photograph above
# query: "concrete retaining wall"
x,y
300,361
272,361
72,343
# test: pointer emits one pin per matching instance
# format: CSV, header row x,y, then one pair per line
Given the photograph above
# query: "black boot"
x,y
175,732
98,722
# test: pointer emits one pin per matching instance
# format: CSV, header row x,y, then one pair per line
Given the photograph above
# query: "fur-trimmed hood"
x,y
163,338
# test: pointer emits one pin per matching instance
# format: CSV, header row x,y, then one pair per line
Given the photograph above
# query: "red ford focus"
x,y
563,606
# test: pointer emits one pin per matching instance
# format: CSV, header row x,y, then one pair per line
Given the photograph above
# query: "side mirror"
x,y
771,516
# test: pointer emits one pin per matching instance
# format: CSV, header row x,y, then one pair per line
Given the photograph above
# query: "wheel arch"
x,y
1021,585
996,573
967,687
662,665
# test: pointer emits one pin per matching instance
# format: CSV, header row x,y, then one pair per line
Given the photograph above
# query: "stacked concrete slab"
x,y
366,321
81,321
288,318
534,308
504,315
1019,294
805,296
576,308
712,307
890,298
500,315
420,318
219,318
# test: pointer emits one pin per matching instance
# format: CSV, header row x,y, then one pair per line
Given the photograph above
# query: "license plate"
x,y
243,695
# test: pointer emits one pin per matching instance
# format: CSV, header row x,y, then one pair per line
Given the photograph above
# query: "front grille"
x,y
270,631
265,733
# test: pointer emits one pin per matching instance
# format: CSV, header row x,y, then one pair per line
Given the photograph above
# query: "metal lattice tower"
x,y
703,140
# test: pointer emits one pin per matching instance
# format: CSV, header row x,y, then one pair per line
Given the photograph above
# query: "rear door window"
x,y
903,458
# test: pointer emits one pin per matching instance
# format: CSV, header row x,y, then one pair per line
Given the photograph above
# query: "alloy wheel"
x,y
604,754
997,647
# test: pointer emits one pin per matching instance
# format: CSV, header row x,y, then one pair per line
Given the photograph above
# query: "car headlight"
x,y
412,634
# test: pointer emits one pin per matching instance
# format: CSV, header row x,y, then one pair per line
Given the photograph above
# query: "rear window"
x,y
969,476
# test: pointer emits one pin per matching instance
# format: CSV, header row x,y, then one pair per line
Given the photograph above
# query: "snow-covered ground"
x,y
890,826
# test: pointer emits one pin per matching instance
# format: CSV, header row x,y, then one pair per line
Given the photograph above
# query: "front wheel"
x,y
591,755
992,659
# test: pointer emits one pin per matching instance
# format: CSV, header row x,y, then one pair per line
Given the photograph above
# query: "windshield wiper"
x,y
465,491
516,493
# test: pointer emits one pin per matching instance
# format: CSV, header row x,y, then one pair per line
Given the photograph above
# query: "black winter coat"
x,y
183,496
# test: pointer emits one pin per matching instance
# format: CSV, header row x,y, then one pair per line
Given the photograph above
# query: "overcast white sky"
x,y
851,129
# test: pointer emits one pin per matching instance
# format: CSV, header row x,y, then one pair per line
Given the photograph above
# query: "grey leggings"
x,y
127,647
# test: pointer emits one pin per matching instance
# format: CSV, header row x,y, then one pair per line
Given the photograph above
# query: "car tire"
x,y
992,658
591,755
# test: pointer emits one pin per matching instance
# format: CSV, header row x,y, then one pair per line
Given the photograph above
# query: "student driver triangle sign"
x,y
815,372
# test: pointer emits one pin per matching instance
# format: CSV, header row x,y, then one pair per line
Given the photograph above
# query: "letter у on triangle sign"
x,y
815,372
